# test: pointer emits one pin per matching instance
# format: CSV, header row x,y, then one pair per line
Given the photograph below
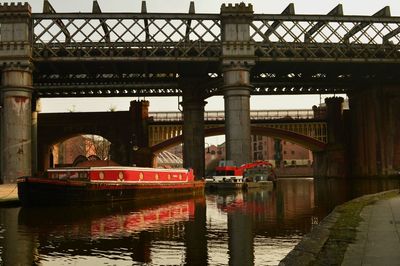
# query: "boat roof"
x,y
116,168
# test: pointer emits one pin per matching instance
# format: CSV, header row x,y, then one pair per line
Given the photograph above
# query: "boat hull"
x,y
42,191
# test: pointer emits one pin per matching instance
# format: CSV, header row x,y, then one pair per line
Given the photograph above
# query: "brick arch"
x,y
113,126
305,141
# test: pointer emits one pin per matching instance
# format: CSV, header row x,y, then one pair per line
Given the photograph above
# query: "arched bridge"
x,y
309,142
300,126
165,128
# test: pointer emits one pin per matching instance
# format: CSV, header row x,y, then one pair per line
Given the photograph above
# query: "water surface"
x,y
257,227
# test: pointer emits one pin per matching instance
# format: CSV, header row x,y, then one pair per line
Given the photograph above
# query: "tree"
x,y
97,145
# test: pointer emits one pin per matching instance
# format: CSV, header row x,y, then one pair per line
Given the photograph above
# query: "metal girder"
x,y
144,42
189,21
337,11
384,12
145,21
48,9
96,9
289,10
385,39
107,90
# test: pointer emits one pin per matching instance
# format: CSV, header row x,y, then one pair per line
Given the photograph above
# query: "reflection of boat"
x,y
251,175
109,220
143,220
105,184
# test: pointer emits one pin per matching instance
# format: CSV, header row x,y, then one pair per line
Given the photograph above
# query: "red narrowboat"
x,y
105,184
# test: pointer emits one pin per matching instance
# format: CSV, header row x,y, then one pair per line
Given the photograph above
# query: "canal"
x,y
257,227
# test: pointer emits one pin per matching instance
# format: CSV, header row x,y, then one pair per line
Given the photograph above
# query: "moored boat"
x,y
86,185
257,174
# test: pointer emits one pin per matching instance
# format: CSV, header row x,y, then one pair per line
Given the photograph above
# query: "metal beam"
x,y
189,21
146,22
289,10
337,11
48,9
384,12
97,10
385,39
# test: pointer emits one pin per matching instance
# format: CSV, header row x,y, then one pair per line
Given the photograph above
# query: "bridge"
x,y
235,53
164,129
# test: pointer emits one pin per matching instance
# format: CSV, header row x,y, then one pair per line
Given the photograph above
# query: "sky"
x,y
350,7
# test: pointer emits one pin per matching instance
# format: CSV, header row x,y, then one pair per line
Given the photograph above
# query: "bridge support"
x,y
375,135
332,161
16,91
237,114
16,141
140,153
193,129
238,57
36,108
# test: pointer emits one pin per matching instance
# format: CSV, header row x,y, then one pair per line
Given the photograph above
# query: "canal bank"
x,y
363,231
9,195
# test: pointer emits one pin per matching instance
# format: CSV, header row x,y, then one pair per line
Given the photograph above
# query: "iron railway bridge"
x,y
147,54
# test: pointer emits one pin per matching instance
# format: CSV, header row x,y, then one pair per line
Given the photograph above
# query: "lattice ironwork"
x,y
283,37
127,35
113,84
326,38
307,47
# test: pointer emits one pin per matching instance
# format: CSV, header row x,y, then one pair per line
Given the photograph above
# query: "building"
x,y
281,153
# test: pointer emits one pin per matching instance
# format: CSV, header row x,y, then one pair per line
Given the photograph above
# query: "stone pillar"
x,y
140,153
193,127
16,91
36,108
237,58
16,123
334,117
375,131
332,162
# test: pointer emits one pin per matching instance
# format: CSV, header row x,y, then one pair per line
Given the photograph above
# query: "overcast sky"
x,y
350,7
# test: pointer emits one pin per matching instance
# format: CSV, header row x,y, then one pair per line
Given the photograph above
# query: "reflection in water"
x,y
332,192
257,227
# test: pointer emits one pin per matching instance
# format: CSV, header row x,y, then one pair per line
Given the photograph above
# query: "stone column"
x,y
193,127
332,161
16,91
237,58
36,108
375,131
16,123
141,154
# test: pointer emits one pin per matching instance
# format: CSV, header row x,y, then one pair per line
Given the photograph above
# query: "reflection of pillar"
x,y
196,236
238,57
17,248
193,129
240,243
141,251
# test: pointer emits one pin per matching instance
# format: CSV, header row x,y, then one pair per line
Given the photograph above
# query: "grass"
x,y
344,231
